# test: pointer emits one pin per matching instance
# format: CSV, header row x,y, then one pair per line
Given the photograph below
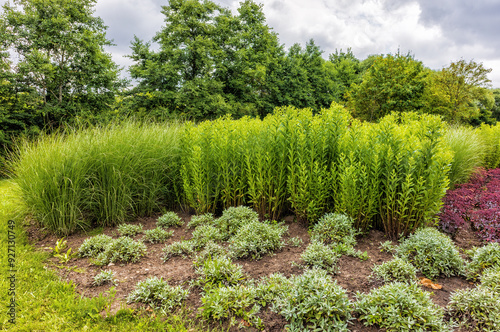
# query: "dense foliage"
x,y
475,203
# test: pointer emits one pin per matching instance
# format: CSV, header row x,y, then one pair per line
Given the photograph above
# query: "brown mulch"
x,y
352,276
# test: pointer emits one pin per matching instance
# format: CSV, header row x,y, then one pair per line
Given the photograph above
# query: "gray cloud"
x,y
435,31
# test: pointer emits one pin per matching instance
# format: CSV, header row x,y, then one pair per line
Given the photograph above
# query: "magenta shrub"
x,y
476,202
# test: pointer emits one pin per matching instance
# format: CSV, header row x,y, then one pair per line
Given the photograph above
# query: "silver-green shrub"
x,y
256,238
482,258
94,245
432,252
399,307
478,309
158,294
123,249
169,219
180,248
319,255
202,219
234,217
129,229
104,277
156,235
396,269
315,303
219,271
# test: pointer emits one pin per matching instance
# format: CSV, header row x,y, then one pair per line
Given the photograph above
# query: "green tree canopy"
x,y
60,50
460,92
209,62
393,83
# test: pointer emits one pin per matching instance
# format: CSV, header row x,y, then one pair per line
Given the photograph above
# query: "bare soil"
x,y
352,276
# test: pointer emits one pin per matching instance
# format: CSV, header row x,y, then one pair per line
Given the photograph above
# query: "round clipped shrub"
x,y
396,269
478,309
400,306
156,293
256,239
483,258
334,228
432,252
234,217
169,219
315,303
94,245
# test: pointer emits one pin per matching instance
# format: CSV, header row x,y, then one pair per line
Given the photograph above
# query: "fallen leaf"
x,y
428,283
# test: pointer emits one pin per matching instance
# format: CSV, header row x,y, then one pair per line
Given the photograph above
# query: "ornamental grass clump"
x,y
396,269
107,173
432,252
477,309
156,235
483,258
315,303
256,239
400,307
129,229
158,294
169,219
94,245
234,217
123,249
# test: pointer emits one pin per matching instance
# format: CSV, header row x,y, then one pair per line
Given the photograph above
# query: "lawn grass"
x,y
45,303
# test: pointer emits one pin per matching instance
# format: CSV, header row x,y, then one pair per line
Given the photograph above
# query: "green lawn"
x,y
43,301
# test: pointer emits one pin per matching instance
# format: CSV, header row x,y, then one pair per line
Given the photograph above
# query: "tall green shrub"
x,y
490,135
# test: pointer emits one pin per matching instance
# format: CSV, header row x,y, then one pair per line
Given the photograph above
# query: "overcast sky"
x,y
435,31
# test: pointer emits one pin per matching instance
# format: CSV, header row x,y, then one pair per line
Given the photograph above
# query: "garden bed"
x,y
352,273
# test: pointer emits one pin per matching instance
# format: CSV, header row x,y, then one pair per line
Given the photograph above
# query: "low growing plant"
x,y
387,246
483,258
156,293
295,241
123,249
477,309
94,245
206,233
334,228
319,255
156,235
396,269
231,302
400,307
432,252
103,277
129,229
202,219
255,239
272,287
169,219
180,248
491,279
211,250
218,271
234,217
315,303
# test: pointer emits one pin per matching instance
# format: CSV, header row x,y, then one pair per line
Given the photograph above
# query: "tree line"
x,y
208,62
